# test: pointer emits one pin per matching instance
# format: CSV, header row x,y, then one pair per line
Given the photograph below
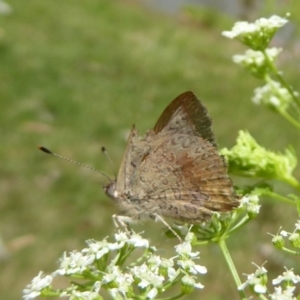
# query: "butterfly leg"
x,y
161,219
122,221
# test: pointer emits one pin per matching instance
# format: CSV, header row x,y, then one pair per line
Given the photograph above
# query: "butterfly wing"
x,y
183,177
185,114
135,149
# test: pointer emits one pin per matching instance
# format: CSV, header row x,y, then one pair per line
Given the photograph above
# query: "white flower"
x,y
272,22
156,263
255,58
250,202
274,101
243,28
287,276
38,283
76,262
185,249
113,274
256,35
190,281
152,293
123,281
297,225
167,263
257,280
97,249
121,237
191,267
272,94
240,28
260,270
284,233
137,241
147,276
172,273
134,239
257,62
252,280
283,294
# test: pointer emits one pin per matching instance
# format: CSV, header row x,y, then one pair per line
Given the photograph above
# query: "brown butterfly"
x,y
175,170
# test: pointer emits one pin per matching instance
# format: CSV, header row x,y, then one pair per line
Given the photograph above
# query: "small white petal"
x,y
260,289
152,293
200,269
284,233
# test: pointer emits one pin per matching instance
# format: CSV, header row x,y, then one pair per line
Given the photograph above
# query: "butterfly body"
x,y
175,169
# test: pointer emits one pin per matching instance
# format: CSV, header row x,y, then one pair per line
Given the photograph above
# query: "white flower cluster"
x,y
273,95
242,27
257,62
250,202
258,280
256,35
288,279
256,58
37,284
294,237
148,276
283,294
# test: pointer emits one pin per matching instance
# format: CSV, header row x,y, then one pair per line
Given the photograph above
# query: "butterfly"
x,y
174,170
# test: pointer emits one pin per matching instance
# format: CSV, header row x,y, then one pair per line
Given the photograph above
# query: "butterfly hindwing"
x,y
185,172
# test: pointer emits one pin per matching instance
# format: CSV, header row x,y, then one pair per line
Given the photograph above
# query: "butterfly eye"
x,y
111,190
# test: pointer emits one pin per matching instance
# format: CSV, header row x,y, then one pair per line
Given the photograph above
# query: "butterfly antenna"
x,y
103,149
46,150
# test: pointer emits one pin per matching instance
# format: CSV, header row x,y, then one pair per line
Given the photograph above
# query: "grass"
x,y
75,76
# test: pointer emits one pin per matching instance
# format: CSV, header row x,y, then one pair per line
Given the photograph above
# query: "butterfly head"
x,y
111,189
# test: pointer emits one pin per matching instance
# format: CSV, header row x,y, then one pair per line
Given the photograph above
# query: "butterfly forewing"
x,y
135,150
185,114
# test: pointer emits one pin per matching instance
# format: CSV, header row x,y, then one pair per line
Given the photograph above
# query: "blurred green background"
x,y
74,76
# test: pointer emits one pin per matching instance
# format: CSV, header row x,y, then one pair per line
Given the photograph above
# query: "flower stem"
x,y
241,223
174,297
293,182
279,197
280,78
290,251
289,118
231,266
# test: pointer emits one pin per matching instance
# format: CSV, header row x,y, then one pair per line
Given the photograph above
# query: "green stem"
x,y
293,182
287,250
174,297
289,118
241,223
279,197
280,78
282,111
231,266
